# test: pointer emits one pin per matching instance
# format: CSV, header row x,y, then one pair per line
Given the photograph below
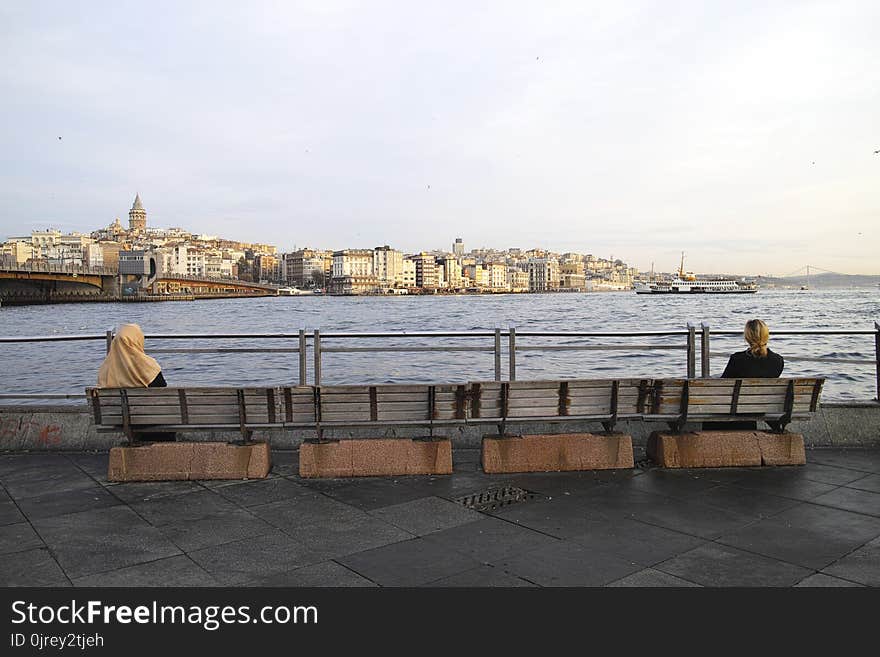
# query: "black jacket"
x,y
743,365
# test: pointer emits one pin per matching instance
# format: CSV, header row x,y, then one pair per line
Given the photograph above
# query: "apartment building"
x,y
353,272
388,266
543,274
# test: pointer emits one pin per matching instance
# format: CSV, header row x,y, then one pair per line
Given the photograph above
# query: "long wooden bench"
x,y
139,412
774,401
430,407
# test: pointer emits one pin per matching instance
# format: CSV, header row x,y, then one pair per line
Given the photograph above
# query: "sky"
x,y
740,133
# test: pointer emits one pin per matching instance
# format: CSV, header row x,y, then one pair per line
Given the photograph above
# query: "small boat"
x,y
292,292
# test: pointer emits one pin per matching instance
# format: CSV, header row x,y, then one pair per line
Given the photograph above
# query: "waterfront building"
x,y
195,262
216,265
517,280
571,267
408,274
137,216
426,270
451,271
353,272
458,248
543,274
69,250
482,276
308,268
110,254
388,266
571,282
93,255
497,276
267,267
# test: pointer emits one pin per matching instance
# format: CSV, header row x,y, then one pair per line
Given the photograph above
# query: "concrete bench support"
x,y
557,452
718,449
375,457
176,461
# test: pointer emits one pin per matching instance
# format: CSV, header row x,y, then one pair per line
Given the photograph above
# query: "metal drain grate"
x,y
495,498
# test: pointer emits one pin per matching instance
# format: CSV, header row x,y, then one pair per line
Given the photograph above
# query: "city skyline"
x,y
744,136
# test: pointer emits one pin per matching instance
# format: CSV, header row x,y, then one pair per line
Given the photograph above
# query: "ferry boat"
x,y
688,283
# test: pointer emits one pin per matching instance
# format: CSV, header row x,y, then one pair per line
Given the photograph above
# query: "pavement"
x,y
63,524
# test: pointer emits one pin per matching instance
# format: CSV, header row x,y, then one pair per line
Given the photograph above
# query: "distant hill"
x,y
821,280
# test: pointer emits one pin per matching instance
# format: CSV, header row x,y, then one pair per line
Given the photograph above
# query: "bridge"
x,y
44,283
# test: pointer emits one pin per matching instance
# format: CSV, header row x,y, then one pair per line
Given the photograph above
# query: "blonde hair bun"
x,y
757,334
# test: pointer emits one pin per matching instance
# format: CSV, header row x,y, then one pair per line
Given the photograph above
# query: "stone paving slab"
x,y
746,501
143,491
215,529
869,483
35,567
171,571
825,581
250,559
564,563
807,535
861,565
338,539
489,540
409,563
814,525
59,503
9,513
650,577
101,540
851,499
306,510
326,573
481,576
426,515
635,541
719,565
18,538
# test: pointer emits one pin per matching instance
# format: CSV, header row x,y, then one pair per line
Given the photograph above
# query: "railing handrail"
x,y
423,334
691,334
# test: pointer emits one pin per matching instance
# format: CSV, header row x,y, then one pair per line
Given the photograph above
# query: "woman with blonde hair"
x,y
126,364
756,362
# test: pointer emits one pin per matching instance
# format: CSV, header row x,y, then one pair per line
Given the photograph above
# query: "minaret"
x,y
137,216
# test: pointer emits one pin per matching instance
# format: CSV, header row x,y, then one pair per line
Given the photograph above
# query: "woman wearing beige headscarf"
x,y
126,365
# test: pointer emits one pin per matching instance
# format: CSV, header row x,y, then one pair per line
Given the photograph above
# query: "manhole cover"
x,y
495,498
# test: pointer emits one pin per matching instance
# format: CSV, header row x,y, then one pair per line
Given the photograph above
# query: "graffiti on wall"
x,y
24,428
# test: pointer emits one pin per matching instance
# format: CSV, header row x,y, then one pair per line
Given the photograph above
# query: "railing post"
x,y
691,351
511,352
302,357
497,353
109,339
877,355
316,345
704,350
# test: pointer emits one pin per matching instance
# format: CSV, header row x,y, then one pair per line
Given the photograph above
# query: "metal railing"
x,y
487,342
